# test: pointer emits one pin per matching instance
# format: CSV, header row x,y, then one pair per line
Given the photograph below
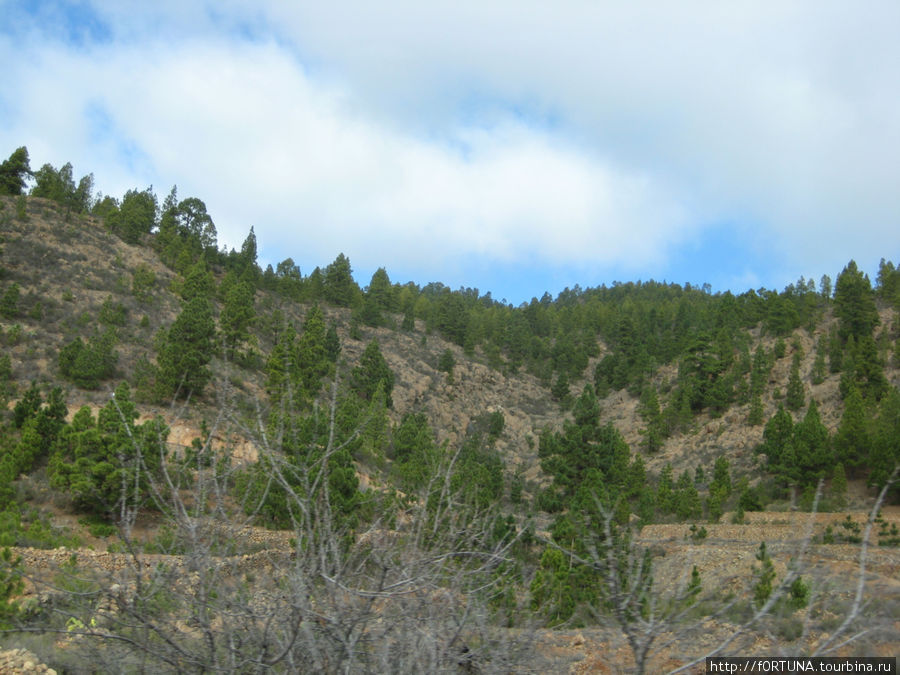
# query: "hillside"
x,y
67,270
514,432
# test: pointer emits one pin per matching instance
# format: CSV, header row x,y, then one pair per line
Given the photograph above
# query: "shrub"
x,y
9,301
87,364
112,313
142,283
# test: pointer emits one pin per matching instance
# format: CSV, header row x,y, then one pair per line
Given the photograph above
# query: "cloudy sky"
x,y
516,147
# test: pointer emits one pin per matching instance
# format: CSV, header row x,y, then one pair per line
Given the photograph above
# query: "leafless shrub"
x,y
413,597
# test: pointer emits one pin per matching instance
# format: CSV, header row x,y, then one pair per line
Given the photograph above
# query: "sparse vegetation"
x,y
295,403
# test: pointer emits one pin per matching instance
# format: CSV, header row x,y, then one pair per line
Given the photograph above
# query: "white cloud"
x,y
580,133
249,131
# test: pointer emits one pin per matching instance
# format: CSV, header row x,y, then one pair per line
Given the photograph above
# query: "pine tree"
x,y
9,301
869,370
794,398
237,315
246,259
185,351
884,453
854,303
665,490
378,299
851,441
776,435
372,372
760,370
838,487
135,216
755,415
14,172
817,376
11,586
312,360
447,362
812,445
339,288
835,351
687,499
280,365
766,576
650,412
198,282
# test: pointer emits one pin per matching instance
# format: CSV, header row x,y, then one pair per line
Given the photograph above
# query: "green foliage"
x,y
238,315
825,287
759,372
14,172
143,281
478,473
100,462
371,373
835,351
297,363
686,498
584,448
186,233
11,585
854,304
339,288
414,452
112,313
720,487
88,364
653,432
198,283
9,301
27,406
6,373
21,526
379,298
776,437
59,185
798,594
851,441
795,397
749,498
755,414
447,362
560,391
780,348
496,424
559,588
862,367
665,490
313,461
765,576
817,376
22,208
838,487
884,452
185,350
135,217
813,454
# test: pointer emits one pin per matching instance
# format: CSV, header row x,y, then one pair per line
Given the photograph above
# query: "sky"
x,y
514,147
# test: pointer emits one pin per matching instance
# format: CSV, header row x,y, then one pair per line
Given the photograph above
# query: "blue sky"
x,y
515,147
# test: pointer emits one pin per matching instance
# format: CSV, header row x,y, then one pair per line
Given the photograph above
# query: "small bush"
x,y
112,313
9,301
143,282
88,364
97,527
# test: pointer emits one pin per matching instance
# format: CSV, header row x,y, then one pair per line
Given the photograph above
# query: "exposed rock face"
x,y
22,661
